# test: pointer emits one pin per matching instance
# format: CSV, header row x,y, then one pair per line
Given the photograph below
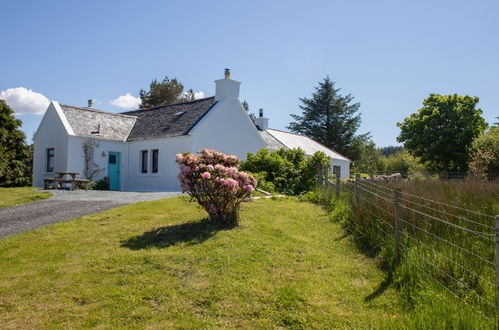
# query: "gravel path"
x,y
67,205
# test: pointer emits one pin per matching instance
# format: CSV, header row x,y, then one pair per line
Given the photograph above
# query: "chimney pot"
x,y
261,122
260,113
227,73
90,103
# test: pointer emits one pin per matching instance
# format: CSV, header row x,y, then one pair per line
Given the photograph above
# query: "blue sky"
x,y
389,54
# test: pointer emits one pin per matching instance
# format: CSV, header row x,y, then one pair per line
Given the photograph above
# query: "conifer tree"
x,y
15,158
330,118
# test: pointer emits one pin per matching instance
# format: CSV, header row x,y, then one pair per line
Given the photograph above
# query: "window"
x,y
112,159
155,154
336,169
144,161
50,160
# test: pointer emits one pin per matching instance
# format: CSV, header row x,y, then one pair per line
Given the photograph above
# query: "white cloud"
x,y
25,101
198,95
127,101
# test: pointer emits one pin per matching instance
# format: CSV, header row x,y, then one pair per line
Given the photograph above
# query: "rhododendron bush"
x,y
213,179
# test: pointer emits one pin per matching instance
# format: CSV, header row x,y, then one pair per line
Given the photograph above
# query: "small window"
x,y
144,161
112,159
50,160
155,154
336,169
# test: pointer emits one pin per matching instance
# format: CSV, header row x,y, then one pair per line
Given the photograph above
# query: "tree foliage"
x,y
329,118
15,154
247,108
168,91
485,156
289,171
442,131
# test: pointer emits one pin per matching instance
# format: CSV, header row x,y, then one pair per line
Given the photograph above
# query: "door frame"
x,y
118,164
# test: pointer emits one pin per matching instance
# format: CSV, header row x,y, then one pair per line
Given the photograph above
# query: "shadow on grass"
x,y
380,289
163,237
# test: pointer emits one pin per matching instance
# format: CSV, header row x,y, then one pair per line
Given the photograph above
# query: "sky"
x,y
390,55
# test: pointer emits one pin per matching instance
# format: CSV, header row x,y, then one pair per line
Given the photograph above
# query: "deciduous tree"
x,y
442,131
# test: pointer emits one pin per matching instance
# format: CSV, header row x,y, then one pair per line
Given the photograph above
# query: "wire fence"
x,y
448,245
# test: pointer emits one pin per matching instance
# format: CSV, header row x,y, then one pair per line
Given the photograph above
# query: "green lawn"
x,y
17,196
159,264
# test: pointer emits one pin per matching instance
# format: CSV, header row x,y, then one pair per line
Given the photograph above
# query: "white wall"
x,y
228,129
75,157
50,134
166,178
344,165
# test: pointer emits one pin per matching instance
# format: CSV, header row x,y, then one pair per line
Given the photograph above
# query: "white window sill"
x,y
148,174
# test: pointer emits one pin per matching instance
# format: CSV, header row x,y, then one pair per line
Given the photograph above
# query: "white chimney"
x,y
226,88
261,122
90,103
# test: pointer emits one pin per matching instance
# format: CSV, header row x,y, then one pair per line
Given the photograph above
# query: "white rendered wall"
x,y
50,134
75,157
344,167
228,129
166,178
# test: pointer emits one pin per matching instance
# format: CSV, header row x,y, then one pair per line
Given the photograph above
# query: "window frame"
x,y
144,161
154,161
50,160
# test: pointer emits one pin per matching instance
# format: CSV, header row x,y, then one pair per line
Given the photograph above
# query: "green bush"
x,y
98,185
285,171
485,156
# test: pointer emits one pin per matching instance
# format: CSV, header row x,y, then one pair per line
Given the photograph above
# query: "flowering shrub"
x,y
213,179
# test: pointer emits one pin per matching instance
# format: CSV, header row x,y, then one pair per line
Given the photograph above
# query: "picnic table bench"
x,y
60,180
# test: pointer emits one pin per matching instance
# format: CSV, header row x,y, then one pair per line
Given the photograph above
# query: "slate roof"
x,y
89,122
169,120
275,139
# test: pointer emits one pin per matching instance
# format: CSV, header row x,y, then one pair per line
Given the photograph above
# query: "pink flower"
x,y
232,171
210,167
248,187
206,175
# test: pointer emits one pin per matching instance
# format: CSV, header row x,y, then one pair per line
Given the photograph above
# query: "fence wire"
x,y
447,246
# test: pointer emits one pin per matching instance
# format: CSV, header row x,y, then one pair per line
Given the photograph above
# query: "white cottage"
x,y
137,149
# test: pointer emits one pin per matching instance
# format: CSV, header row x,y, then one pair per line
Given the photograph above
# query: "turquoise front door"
x,y
113,170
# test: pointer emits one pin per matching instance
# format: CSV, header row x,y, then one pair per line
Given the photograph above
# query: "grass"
x,y
433,262
22,195
161,264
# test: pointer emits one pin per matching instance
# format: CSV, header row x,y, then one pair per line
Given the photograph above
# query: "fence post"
x,y
497,267
338,183
398,225
371,174
356,188
320,175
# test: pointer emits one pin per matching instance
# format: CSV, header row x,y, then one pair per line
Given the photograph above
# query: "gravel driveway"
x,y
67,205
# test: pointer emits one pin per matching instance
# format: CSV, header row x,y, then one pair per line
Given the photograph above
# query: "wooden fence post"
x,y
338,183
356,187
398,225
320,175
371,174
497,268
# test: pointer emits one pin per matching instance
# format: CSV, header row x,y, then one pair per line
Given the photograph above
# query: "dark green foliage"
x,y
288,170
390,150
168,91
442,131
98,185
329,118
15,154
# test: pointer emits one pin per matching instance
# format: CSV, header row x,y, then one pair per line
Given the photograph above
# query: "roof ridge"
x,y
170,105
96,110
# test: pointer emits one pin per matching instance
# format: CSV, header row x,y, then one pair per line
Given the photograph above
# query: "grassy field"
x,y
17,196
160,264
447,258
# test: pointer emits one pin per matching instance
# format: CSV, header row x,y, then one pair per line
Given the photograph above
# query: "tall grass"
x,y
445,249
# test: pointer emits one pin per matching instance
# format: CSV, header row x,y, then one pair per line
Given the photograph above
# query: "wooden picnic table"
x,y
61,179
